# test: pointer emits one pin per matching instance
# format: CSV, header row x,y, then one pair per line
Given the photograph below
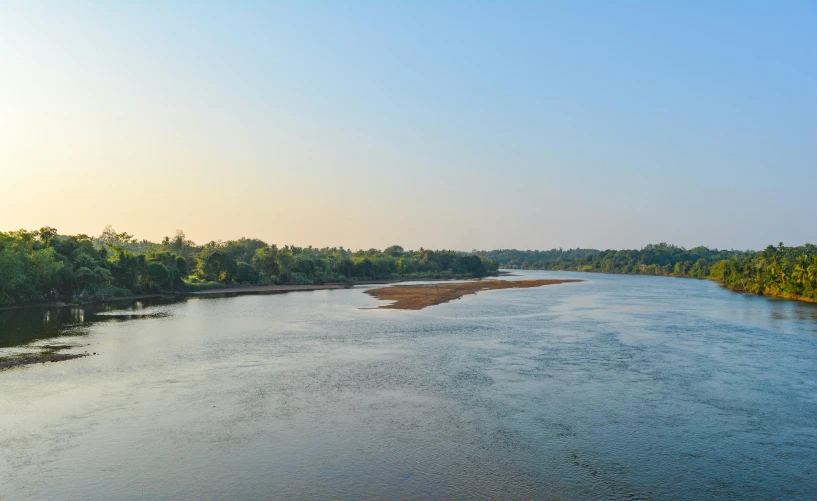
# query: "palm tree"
x,y
801,274
812,272
759,272
778,270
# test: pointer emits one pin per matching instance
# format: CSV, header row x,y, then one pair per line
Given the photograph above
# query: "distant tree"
x,y
44,270
159,277
12,276
213,264
394,251
266,260
47,235
364,268
246,274
111,238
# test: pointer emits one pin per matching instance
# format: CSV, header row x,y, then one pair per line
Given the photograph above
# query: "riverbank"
x,y
252,289
417,297
234,290
768,293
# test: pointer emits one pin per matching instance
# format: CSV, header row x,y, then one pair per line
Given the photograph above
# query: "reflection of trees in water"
x,y
24,325
805,312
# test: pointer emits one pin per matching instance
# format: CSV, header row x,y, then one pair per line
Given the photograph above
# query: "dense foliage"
x,y
779,271
42,265
660,259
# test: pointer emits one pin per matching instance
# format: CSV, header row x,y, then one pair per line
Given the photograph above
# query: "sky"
x,y
463,125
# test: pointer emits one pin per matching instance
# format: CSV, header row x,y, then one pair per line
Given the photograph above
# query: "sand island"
x,y
417,297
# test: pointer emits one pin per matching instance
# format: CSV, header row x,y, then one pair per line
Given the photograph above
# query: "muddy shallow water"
x,y
619,387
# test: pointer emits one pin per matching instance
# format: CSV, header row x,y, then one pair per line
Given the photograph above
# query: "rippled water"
x,y
620,387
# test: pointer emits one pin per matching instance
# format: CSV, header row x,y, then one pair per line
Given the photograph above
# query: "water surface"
x,y
620,387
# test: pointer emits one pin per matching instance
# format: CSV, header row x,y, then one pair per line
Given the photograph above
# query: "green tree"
x,y
266,260
394,251
158,276
213,264
44,270
246,274
12,276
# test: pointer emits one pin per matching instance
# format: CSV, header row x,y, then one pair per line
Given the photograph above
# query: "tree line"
x,y
654,259
781,271
789,272
43,265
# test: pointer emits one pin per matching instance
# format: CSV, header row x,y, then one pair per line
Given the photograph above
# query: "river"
x,y
620,387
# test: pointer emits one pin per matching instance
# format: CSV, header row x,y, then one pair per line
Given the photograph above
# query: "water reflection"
x,y
25,325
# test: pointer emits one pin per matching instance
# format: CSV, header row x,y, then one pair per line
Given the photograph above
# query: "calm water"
x,y
617,388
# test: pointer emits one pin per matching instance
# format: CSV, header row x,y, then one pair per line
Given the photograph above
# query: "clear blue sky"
x,y
456,124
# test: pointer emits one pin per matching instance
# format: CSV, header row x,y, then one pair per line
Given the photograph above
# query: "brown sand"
x,y
417,297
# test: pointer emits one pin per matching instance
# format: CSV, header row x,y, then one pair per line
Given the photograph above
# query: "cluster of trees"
x,y
779,271
254,261
43,265
654,259
776,271
554,259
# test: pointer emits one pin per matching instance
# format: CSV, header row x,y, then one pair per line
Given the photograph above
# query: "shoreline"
x,y
787,297
236,290
250,289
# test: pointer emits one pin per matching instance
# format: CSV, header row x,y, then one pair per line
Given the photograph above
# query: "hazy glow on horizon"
x,y
443,126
